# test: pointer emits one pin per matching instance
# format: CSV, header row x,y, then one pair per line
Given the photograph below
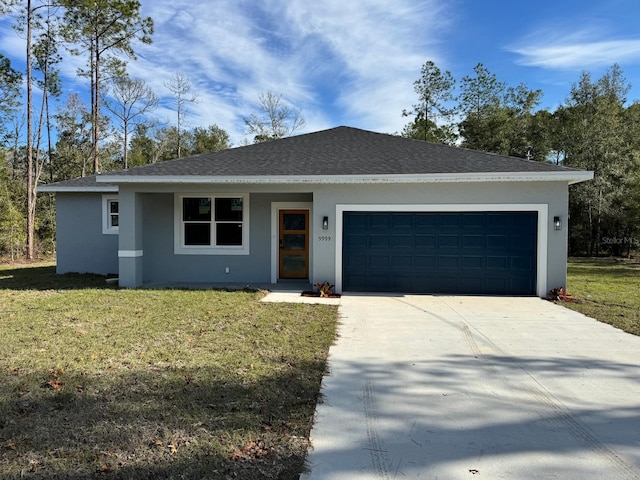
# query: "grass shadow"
x,y
597,267
45,278
158,423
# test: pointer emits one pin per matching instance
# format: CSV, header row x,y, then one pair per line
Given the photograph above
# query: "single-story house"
x,y
361,210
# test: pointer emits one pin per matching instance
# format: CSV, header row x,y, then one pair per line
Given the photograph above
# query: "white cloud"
x,y
339,62
12,45
579,50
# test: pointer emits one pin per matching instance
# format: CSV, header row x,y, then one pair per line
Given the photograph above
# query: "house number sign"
x,y
324,238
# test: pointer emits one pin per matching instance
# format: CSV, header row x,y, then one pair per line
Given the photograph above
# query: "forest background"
x,y
48,137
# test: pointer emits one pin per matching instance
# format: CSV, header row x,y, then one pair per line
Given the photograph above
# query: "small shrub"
x,y
325,289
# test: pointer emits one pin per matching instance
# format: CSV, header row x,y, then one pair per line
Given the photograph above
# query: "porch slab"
x,y
289,287
295,296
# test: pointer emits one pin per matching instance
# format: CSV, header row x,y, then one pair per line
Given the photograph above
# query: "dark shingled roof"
x,y
78,184
339,151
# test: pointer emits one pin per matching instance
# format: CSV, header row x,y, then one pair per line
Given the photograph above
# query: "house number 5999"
x,y
324,239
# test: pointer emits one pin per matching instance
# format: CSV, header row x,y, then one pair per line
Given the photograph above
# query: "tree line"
x,y
55,138
41,143
596,128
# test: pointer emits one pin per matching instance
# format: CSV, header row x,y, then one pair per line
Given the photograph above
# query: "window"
x,y
110,214
212,224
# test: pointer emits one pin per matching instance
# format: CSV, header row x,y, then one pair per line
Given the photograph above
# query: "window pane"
x,y
114,220
293,264
196,209
228,209
294,241
228,234
197,234
293,221
113,207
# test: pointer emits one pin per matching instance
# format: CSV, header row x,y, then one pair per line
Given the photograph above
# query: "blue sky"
x,y
351,62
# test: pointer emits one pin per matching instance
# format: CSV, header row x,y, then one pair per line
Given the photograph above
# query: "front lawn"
x,y
606,289
98,382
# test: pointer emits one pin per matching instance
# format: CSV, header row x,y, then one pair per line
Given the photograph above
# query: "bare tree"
x,y
74,149
104,29
129,100
38,22
276,119
31,197
180,86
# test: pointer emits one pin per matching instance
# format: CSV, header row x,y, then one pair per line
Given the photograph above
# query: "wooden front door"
x,y
294,244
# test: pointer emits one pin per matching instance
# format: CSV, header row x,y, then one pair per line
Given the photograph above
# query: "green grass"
x,y
99,382
606,289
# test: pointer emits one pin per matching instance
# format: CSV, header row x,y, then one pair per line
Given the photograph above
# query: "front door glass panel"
x,y
294,244
294,241
294,221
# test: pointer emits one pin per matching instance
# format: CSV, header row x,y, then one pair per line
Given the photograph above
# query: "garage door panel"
x,y
358,283
401,261
402,241
378,283
473,221
521,242
355,240
472,263
497,263
448,241
425,221
379,261
497,242
356,262
402,221
449,220
425,261
379,241
521,286
496,220
522,263
472,241
379,221
400,283
496,285
356,221
436,252
448,262
447,283
426,241
470,282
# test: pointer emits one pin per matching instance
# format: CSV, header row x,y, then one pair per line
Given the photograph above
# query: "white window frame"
x,y
181,249
107,227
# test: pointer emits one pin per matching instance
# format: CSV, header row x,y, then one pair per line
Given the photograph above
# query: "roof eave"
x,y
558,176
78,189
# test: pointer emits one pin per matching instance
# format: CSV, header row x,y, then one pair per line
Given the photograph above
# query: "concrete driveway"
x,y
442,387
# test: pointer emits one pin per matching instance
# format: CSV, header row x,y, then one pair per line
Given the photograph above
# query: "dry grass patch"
x,y
99,382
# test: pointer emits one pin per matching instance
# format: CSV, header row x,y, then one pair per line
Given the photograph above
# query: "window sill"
x,y
211,251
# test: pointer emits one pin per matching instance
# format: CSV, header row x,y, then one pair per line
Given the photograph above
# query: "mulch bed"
x,y
308,293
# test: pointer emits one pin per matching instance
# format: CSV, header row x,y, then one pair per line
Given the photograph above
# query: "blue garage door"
x,y
429,252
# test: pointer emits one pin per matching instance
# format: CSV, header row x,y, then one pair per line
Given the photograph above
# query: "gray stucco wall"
x,y
80,244
162,265
154,235
553,194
